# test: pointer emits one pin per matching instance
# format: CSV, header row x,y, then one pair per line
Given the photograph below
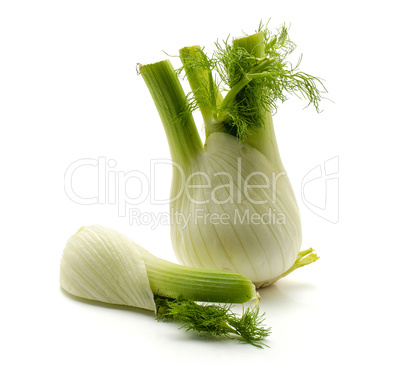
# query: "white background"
x,y
69,91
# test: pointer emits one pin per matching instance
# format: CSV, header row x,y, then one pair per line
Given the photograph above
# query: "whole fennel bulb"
x,y
232,204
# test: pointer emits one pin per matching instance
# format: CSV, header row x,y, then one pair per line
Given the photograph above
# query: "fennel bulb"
x,y
233,192
101,264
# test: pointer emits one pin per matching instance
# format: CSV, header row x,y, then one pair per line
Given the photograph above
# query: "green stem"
x,y
205,285
264,139
232,93
254,44
304,258
257,72
200,78
171,103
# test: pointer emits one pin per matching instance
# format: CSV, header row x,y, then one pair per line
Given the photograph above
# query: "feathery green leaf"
x,y
215,319
254,75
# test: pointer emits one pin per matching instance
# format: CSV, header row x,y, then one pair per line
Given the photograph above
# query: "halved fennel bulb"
x,y
101,264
